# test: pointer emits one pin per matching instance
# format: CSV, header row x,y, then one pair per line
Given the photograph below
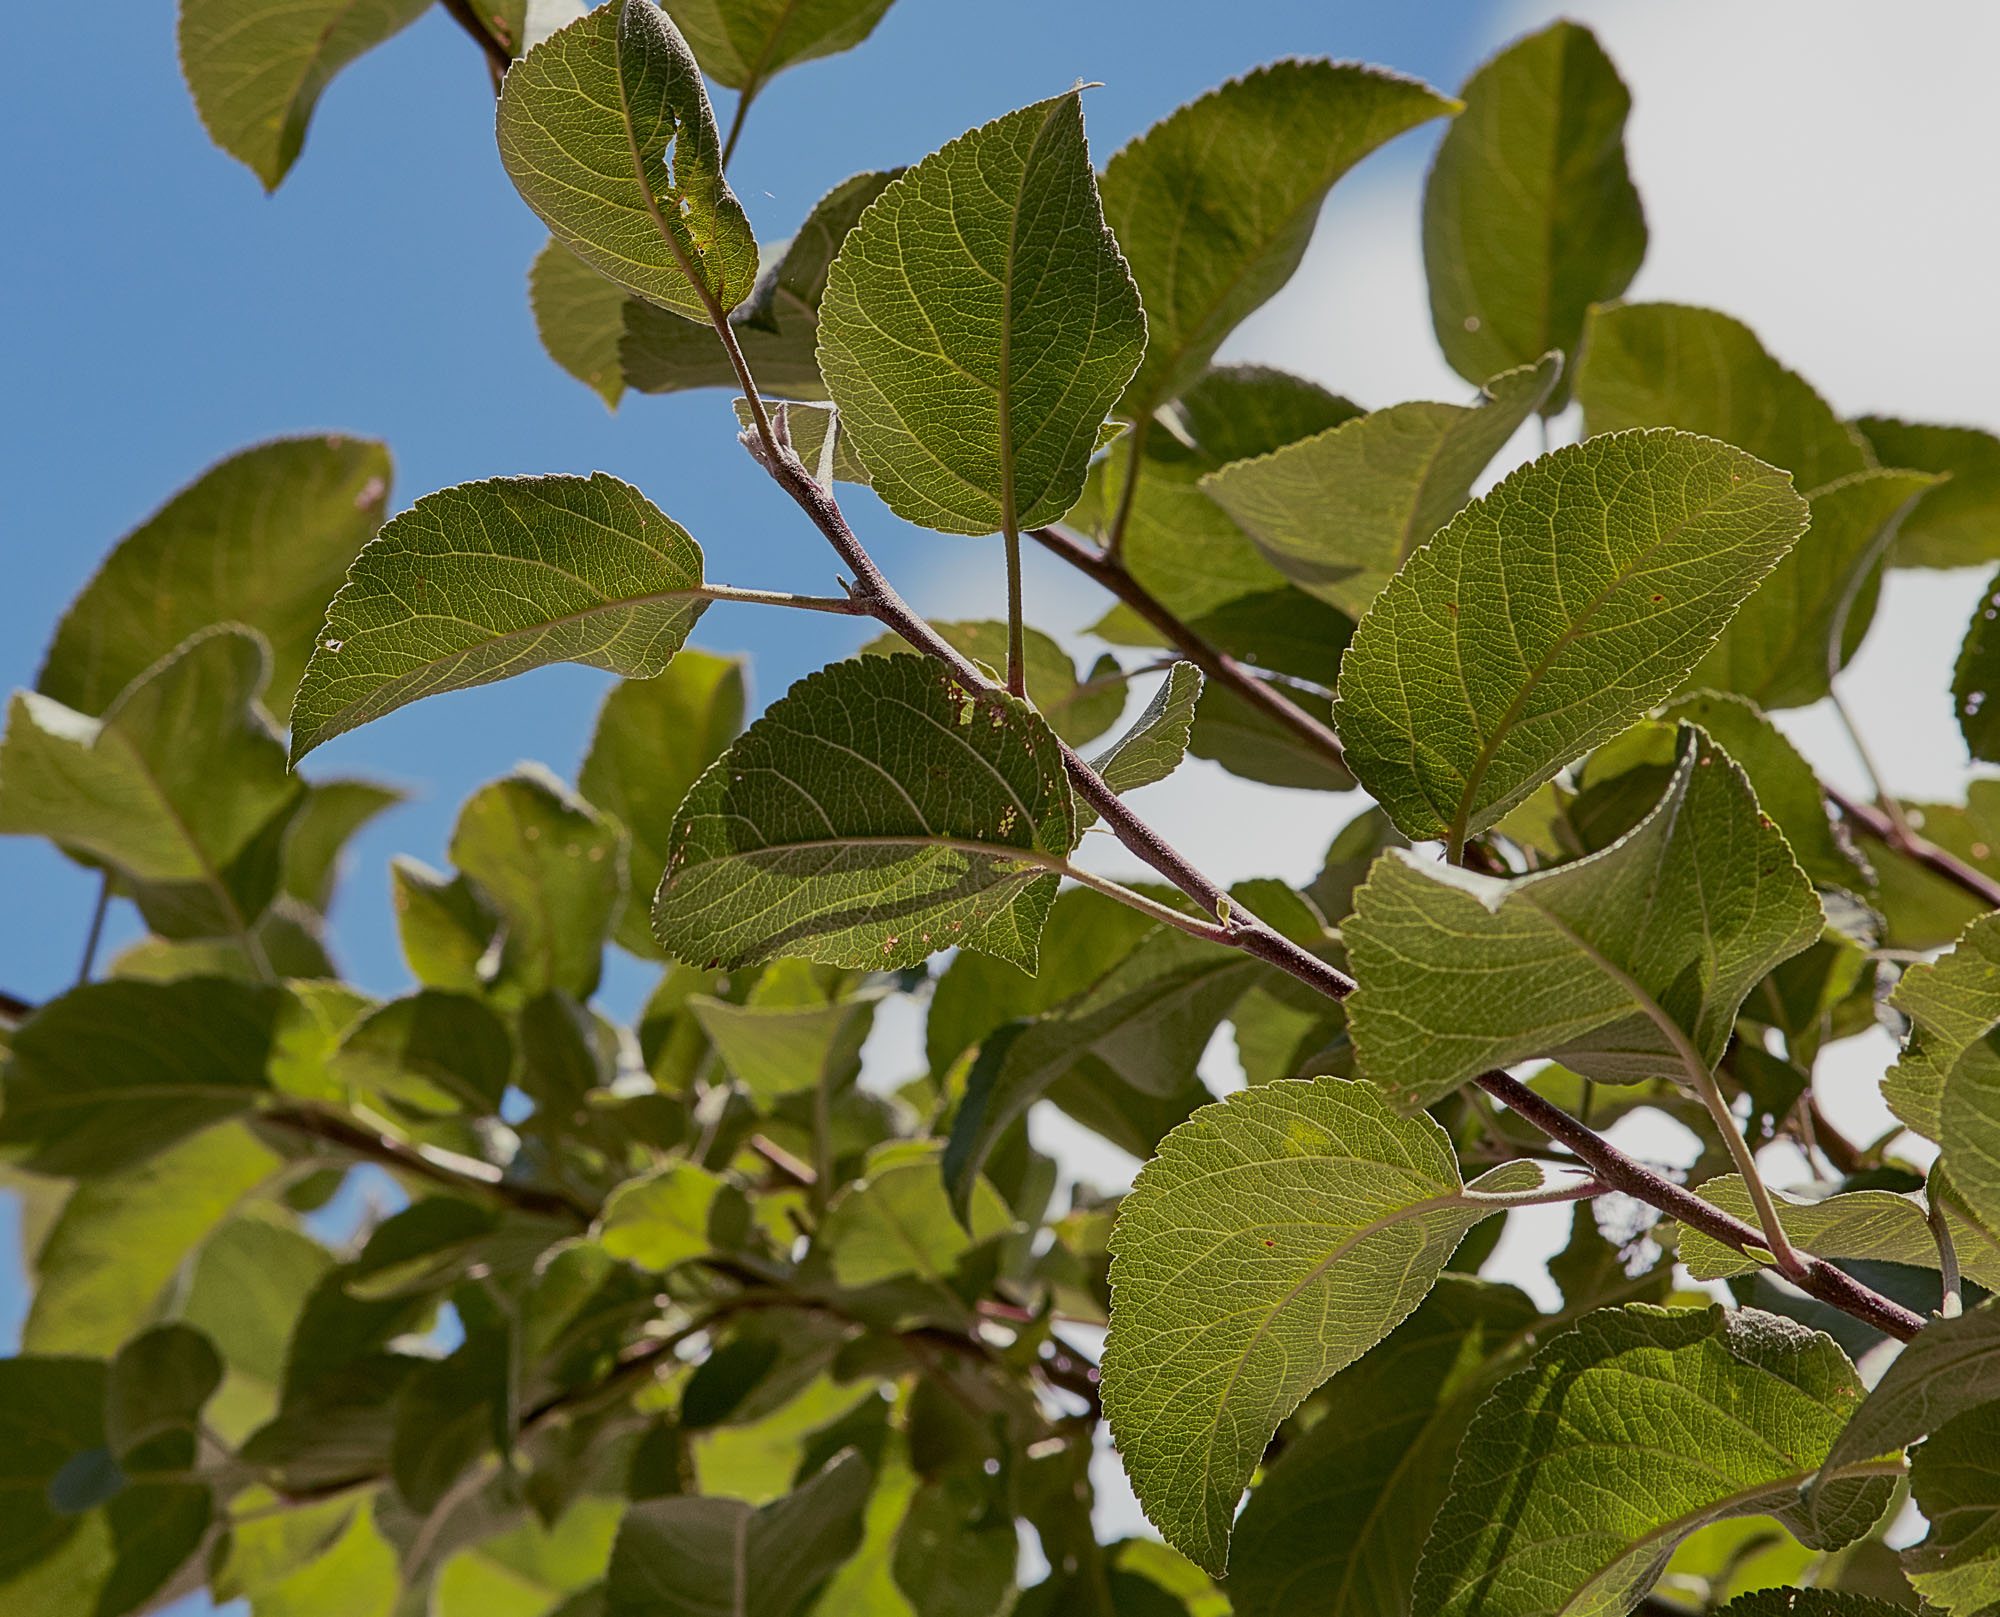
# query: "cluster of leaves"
x,y
683,1317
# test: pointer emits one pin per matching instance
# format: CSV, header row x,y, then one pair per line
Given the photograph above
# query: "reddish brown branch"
x,y
1938,861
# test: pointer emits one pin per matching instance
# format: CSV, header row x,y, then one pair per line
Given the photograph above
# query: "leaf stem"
x,y
1106,570
1017,636
1543,1196
1790,1264
843,605
1619,1172
744,97
1128,493
1884,798
96,929
1952,1303
498,58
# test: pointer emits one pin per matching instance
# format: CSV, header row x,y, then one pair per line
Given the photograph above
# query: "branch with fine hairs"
x,y
1106,570
498,58
1899,836
1818,1278
400,1155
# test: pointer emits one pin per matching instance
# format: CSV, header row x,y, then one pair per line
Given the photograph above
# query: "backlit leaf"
x,y
606,131
979,324
1530,215
580,317
743,44
772,1050
1248,741
1952,1002
1075,709
895,1220
875,814
1340,512
1278,1236
487,580
1623,965
1548,615
1957,524
262,539
1213,206
1969,1110
257,67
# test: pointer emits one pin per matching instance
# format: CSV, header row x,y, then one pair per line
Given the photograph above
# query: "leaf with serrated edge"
x,y
487,580
979,324
1339,513
1626,1433
261,539
1969,1111
1214,204
1672,365
1952,1002
1957,524
1277,1237
257,67
606,131
1548,615
1956,1484
1623,965
874,815
1530,215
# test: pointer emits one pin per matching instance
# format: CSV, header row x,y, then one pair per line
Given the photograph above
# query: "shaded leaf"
x,y
1627,1432
1976,680
773,1050
316,837
1954,1480
662,1219
262,539
1969,1110
1626,965
430,1053
973,391
580,317
1153,747
1077,710
606,132
51,1412
160,1381
1957,524
1213,206
1339,513
1778,649
896,1220
1249,742
1670,365
257,67
446,925
1278,1236
652,740
490,579
710,1557
777,326
1548,615
837,827
1530,215
112,1073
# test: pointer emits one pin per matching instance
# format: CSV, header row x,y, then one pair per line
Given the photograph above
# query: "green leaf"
x,y
1530,215
51,1411
774,1050
662,1219
1669,365
1952,1003
896,1220
580,317
257,67
261,539
431,1054
123,1237
549,863
744,44
1955,1484
453,1410
777,326
1143,1023
1626,1433
1625,966
490,579
606,131
1969,1110
159,1383
1213,206
112,1073
1075,709
1957,524
1873,1225
527,1571
1547,616
709,1557
1787,789
1153,747
973,391
316,837
1976,680
1952,1366
1335,1527
1249,742
956,1549
1809,1603
447,926
1339,513
181,787
653,739
875,814
1278,1236
1778,650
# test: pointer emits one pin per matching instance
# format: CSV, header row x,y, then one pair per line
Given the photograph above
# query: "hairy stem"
x,y
1218,665
1790,1264
1952,1303
1017,634
844,605
1619,1172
